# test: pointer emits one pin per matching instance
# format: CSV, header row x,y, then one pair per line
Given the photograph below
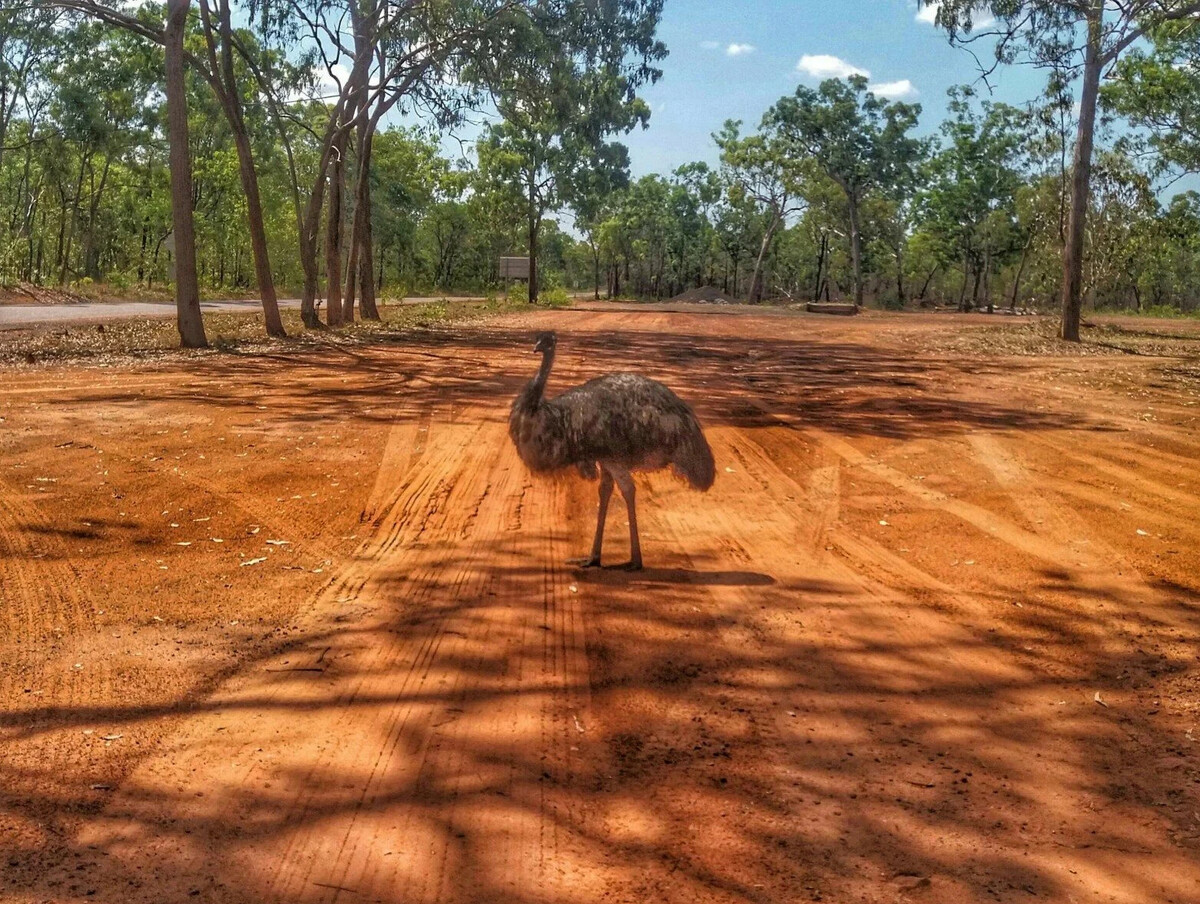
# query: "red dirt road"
x,y
932,636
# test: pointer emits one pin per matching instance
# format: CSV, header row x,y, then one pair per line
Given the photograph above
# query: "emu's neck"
x,y
537,386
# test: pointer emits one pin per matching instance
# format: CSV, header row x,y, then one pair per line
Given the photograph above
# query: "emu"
x,y
607,428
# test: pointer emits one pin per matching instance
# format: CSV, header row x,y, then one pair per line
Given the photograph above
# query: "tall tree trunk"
x,y
333,239
230,98
821,265
65,263
1081,176
350,293
366,271
756,281
856,248
91,258
40,257
987,281
1016,288
366,243
928,280
901,296
62,227
360,268
308,259
187,284
962,295
258,238
534,224
596,268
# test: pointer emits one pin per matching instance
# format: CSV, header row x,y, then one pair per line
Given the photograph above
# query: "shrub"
x,y
554,298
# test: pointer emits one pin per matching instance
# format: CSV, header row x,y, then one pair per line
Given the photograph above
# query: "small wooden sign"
x,y
514,268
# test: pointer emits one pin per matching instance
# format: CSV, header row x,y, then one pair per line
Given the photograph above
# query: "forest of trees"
x,y
308,140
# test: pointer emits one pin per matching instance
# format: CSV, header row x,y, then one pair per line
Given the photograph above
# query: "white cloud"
x,y
822,65
928,15
331,81
739,49
710,45
895,90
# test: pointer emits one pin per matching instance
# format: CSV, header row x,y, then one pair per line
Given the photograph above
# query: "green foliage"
x,y
565,82
1158,89
975,216
554,298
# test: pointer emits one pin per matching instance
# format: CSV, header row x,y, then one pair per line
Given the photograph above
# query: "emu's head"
x,y
545,342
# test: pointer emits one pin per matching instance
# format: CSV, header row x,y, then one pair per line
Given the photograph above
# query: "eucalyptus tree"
x,y
216,67
103,87
592,193
701,189
1157,88
969,202
187,286
29,43
859,140
763,170
1075,39
564,80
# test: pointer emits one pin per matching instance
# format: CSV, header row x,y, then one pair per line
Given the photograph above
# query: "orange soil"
x,y
932,635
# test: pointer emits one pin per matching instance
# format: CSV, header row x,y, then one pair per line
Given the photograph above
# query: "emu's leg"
x,y
606,489
629,491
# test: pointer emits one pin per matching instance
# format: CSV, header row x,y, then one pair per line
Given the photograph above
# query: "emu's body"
x,y
609,427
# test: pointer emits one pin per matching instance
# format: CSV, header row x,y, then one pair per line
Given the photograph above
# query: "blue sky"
x,y
733,60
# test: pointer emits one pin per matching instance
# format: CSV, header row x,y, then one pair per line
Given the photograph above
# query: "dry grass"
x,y
1039,338
124,341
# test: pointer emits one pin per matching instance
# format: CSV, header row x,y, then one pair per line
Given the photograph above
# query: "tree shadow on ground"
x,y
694,733
744,755
854,388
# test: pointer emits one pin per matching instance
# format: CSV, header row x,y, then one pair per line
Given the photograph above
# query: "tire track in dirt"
x,y
1131,480
986,521
445,682
997,691
850,609
40,590
46,616
1105,570
404,445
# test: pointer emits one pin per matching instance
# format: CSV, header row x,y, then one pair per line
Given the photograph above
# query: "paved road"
x,y
19,316
24,315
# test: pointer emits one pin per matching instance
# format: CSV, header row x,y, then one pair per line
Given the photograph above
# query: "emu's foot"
x,y
589,562
635,565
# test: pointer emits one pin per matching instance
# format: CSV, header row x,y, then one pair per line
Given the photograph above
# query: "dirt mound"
x,y
705,295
